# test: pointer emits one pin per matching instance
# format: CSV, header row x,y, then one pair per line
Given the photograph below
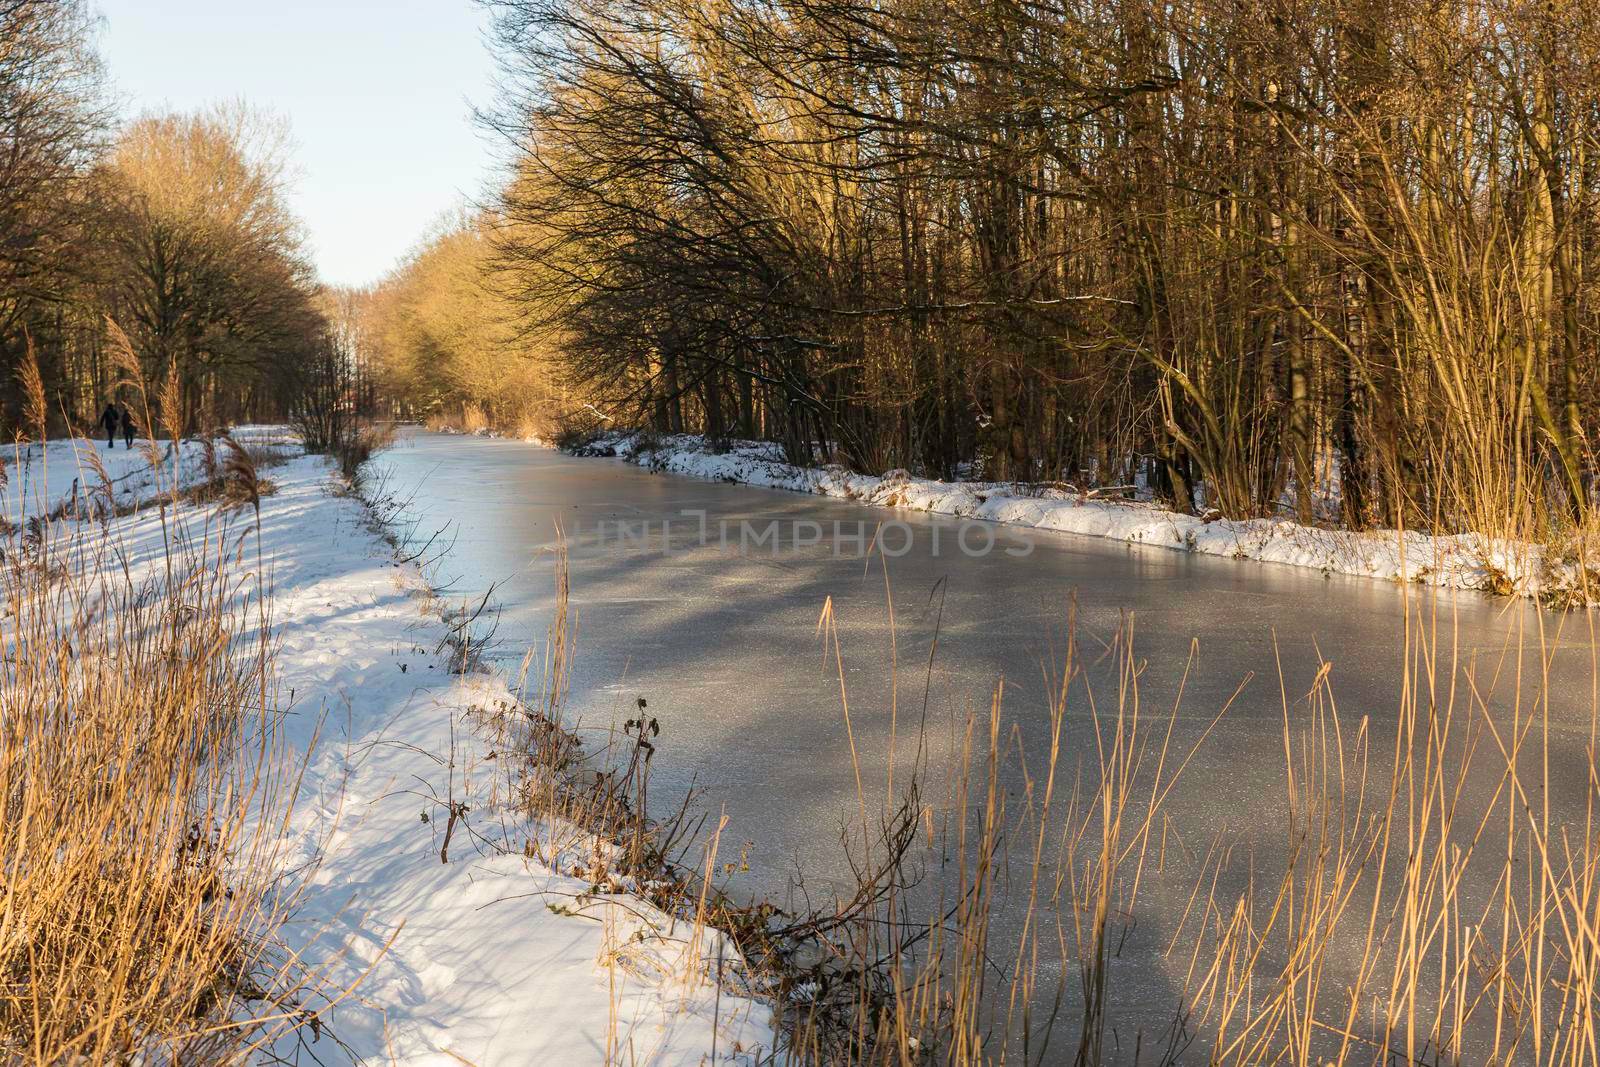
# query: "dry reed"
x,y
145,786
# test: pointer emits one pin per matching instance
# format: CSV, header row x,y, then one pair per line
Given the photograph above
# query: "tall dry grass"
x,y
514,418
1432,896
469,418
1440,903
144,788
985,919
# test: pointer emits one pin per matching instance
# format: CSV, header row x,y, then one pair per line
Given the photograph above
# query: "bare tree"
x,y
1335,259
207,271
51,122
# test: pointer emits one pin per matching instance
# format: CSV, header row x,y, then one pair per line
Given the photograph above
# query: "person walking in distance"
x,y
110,420
127,426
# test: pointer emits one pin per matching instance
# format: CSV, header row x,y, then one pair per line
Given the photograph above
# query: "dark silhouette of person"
x,y
110,420
127,426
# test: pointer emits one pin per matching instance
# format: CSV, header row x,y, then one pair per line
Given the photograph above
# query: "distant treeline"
x,y
1276,254
447,342
172,226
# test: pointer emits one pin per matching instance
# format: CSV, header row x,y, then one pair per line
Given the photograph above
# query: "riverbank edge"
x,y
638,928
1469,562
804,963
387,922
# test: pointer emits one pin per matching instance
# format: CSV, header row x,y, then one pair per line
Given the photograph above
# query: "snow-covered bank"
x,y
414,883
40,479
494,958
1466,561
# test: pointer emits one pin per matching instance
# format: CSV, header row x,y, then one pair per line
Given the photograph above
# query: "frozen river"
x,y
723,644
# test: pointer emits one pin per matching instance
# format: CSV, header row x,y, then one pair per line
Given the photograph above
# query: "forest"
x,y
171,228
1334,260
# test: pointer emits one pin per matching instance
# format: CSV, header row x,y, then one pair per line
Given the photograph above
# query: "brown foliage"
x,y
1291,254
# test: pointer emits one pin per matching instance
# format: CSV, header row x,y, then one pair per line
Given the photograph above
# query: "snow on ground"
x,y
490,957
40,479
43,478
1466,561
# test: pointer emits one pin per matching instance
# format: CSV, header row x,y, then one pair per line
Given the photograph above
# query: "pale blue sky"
x,y
378,94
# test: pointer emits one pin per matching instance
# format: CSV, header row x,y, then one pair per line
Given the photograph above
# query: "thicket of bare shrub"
x,y
1331,260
